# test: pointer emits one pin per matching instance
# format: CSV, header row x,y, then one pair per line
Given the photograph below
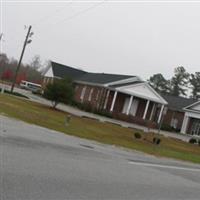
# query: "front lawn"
x,y
108,133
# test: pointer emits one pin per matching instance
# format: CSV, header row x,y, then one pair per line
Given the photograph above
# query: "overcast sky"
x,y
136,38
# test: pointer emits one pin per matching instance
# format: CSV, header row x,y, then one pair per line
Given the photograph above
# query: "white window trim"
x,y
97,95
90,94
83,92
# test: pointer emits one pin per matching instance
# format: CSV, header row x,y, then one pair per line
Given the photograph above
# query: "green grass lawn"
x,y
108,133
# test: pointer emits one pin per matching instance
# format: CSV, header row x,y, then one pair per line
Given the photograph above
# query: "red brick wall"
x,y
173,114
190,123
109,103
119,103
117,110
78,89
95,97
141,108
189,126
46,80
136,120
149,110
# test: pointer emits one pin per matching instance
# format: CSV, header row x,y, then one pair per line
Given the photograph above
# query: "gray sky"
x,y
137,38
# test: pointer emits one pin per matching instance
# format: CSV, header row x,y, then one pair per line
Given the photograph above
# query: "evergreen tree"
x,y
59,91
179,81
195,83
159,83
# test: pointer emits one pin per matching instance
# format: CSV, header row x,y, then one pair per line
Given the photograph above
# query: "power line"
x,y
80,12
43,19
92,1
77,14
1,23
51,15
70,17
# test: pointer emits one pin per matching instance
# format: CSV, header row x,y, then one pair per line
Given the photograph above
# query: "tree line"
x,y
179,84
30,72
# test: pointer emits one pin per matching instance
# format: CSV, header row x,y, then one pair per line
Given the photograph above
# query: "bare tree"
x,y
36,62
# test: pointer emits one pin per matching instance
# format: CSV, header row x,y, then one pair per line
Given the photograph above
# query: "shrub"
x,y
199,142
192,141
88,108
83,106
103,113
137,135
156,140
59,91
167,127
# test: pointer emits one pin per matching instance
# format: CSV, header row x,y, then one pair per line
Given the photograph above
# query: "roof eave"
x,y
89,83
193,104
190,110
123,81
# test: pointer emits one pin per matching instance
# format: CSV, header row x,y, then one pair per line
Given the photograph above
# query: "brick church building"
x,y
125,97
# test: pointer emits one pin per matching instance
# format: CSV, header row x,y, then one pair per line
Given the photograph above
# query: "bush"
x,y
88,108
59,91
156,140
137,135
192,141
103,113
166,127
199,142
83,106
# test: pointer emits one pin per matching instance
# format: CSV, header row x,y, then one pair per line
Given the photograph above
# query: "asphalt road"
x,y
38,163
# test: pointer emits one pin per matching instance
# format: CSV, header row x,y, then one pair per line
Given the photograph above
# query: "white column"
x,y
146,109
113,101
185,124
152,111
106,100
129,105
160,115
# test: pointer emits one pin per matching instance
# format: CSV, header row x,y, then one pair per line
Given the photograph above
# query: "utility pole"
x,y
1,36
1,40
2,86
29,34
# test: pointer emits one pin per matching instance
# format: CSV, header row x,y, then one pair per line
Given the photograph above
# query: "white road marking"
x,y
164,166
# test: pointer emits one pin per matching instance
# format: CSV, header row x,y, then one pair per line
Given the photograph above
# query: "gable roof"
x,y
142,90
62,71
123,83
102,78
177,103
195,107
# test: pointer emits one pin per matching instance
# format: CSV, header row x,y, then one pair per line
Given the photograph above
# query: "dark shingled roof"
x,y
62,71
101,78
177,103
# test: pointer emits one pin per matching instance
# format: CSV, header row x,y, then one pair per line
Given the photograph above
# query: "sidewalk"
x,y
80,113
